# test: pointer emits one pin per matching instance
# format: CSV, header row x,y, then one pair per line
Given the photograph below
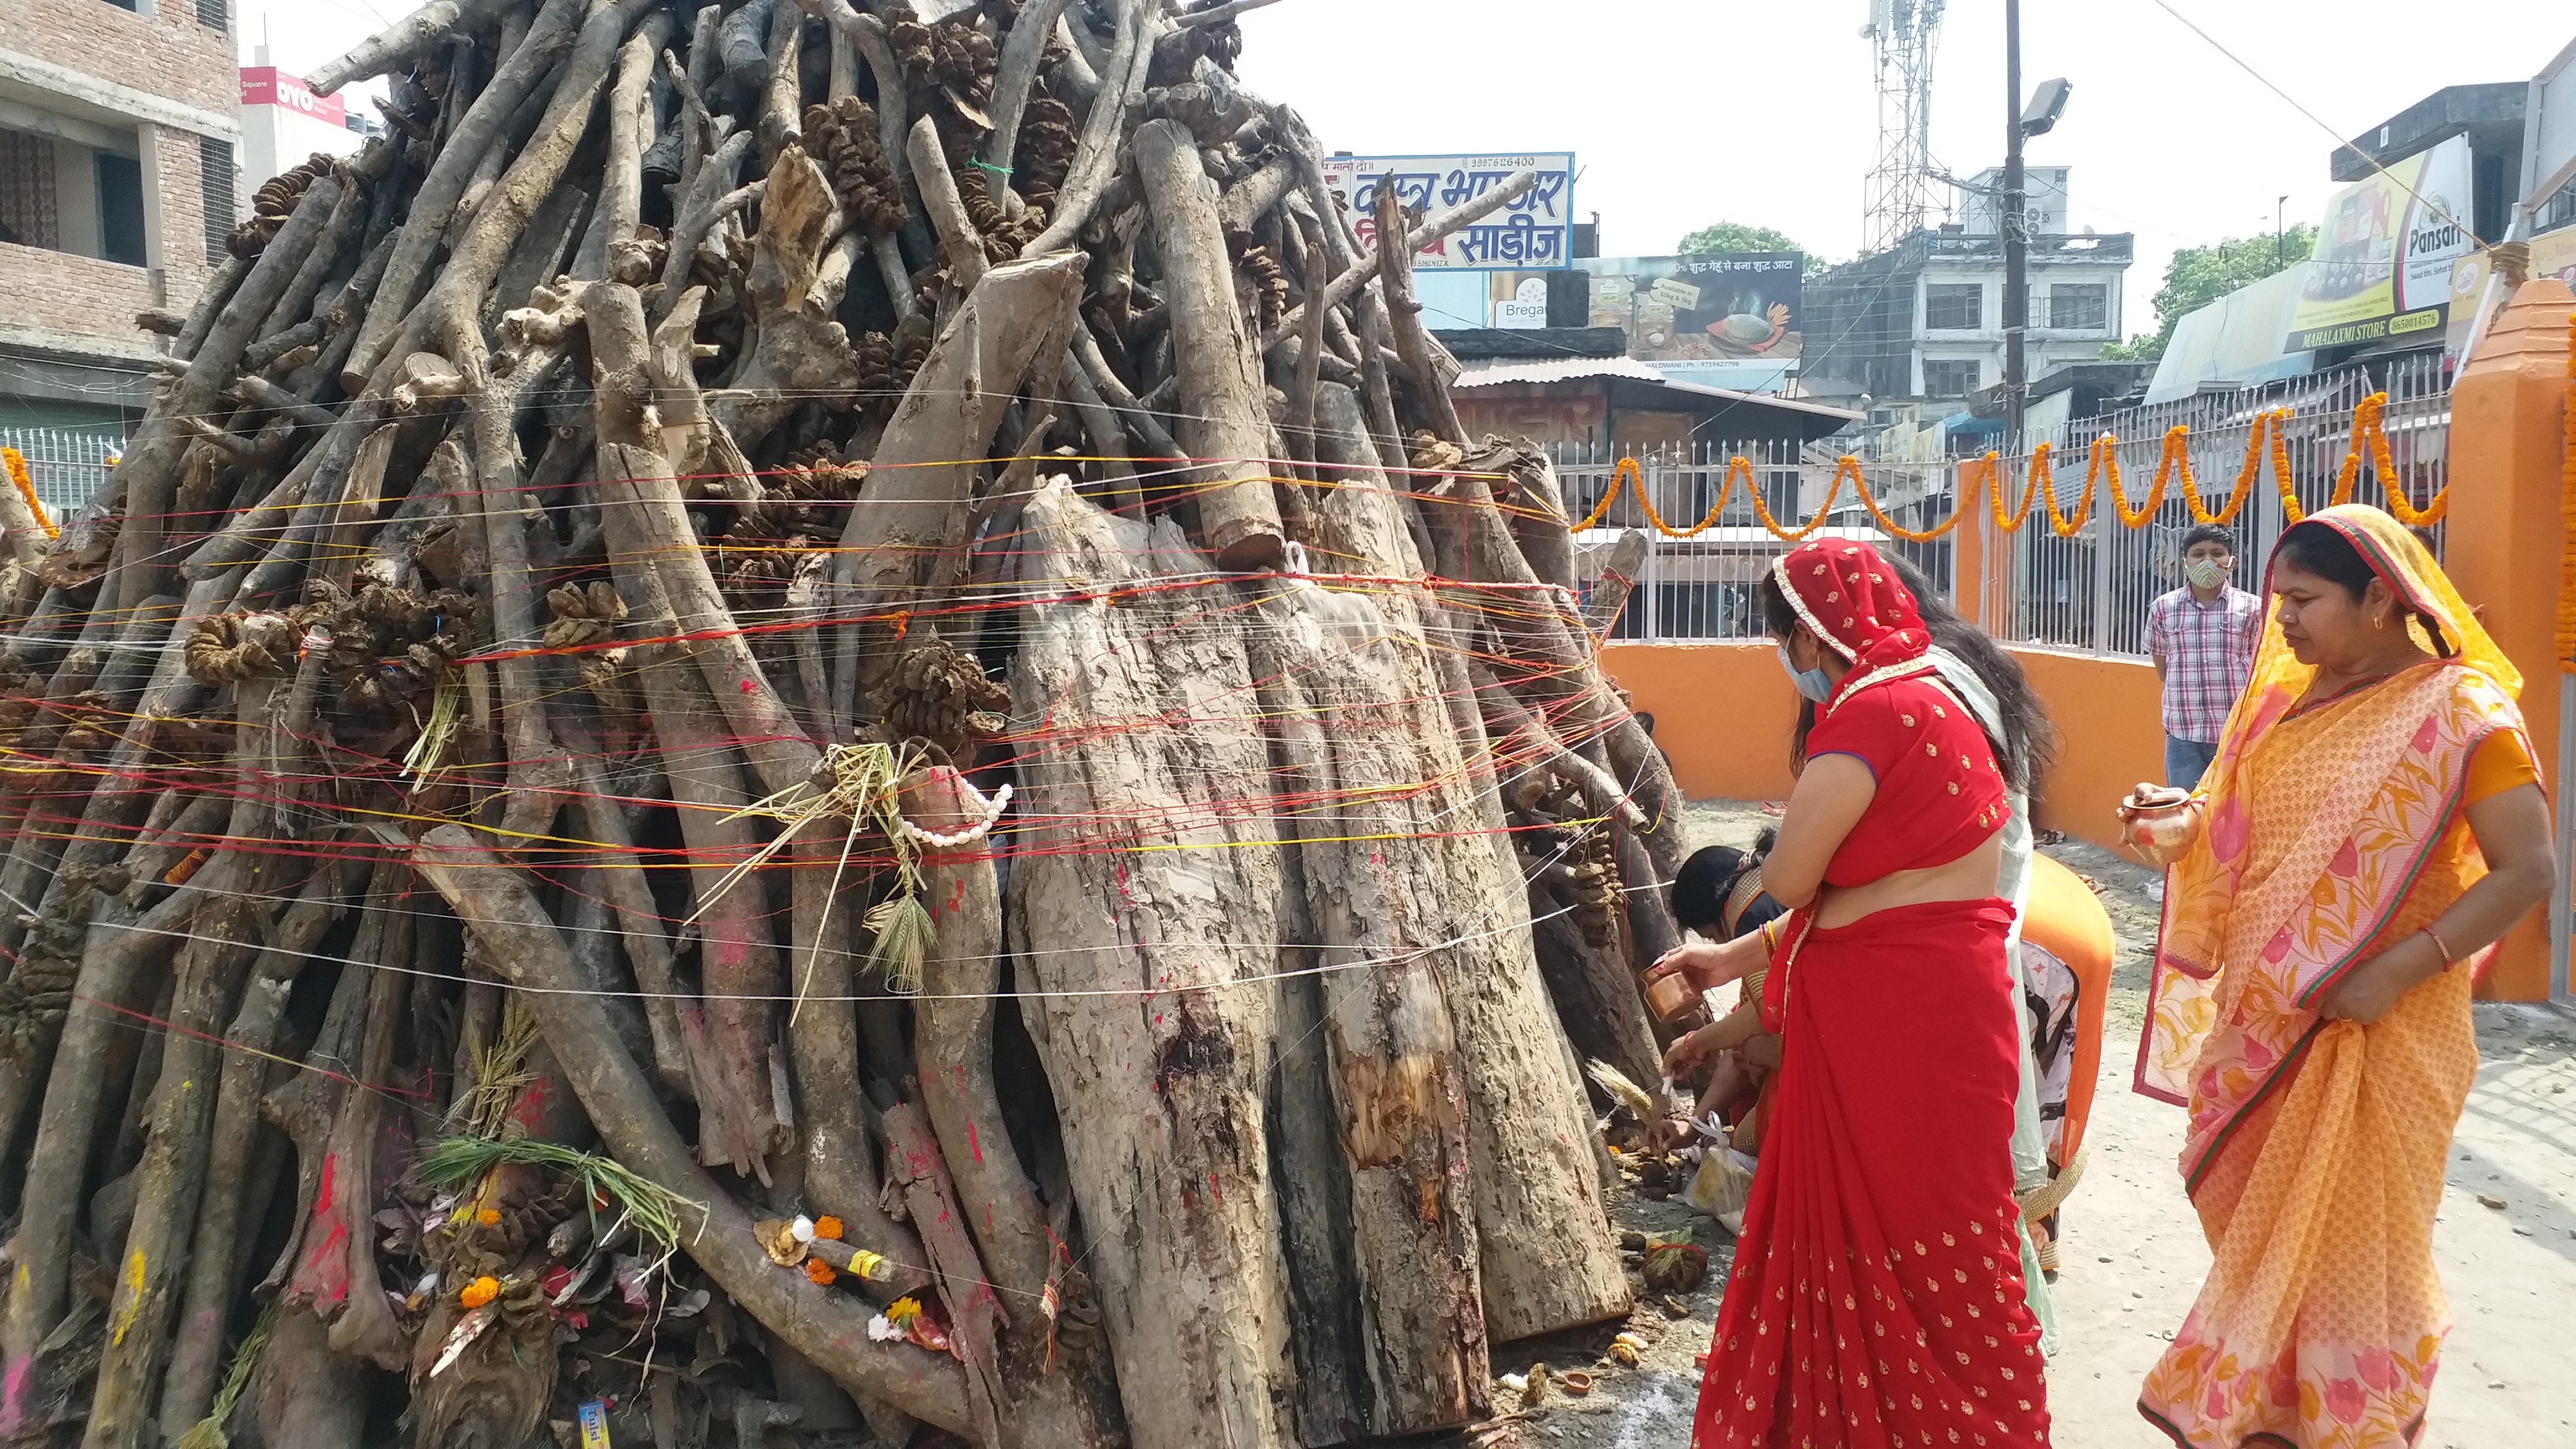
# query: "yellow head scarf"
x,y
2420,585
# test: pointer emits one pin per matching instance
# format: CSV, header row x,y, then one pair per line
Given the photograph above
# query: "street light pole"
x,y
2280,208
2016,202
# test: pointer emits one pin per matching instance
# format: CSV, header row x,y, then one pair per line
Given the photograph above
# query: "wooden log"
x,y
1225,422
1547,1258
912,534
434,203
824,1325
1154,902
1619,570
1412,341
1347,284
1346,698
219,1259
405,38
1096,152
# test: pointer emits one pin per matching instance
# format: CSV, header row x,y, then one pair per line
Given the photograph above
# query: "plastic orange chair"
x,y
2068,922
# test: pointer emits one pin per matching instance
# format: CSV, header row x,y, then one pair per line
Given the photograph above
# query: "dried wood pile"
x,y
805,725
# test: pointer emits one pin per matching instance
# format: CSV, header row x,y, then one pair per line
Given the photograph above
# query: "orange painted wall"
x,y
2508,441
1722,711
2109,715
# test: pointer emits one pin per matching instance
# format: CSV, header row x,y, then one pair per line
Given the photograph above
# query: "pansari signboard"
x,y
1533,230
2384,257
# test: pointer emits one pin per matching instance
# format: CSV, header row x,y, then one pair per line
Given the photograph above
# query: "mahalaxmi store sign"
x,y
2383,261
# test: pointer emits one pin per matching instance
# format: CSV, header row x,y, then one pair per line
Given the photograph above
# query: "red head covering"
x,y
1854,601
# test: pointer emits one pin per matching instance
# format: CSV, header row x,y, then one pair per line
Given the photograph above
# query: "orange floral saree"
x,y
2315,1148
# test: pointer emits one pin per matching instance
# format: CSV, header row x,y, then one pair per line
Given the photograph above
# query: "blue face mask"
x,y
1812,683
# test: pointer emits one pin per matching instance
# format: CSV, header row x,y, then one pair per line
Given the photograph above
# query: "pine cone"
x,y
227,648
1046,149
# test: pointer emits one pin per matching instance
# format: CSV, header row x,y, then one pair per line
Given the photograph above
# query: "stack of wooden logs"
x,y
807,722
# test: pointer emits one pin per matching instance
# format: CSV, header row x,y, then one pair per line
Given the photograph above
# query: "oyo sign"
x,y
266,85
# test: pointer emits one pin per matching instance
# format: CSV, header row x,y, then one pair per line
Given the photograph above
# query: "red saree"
x,y
1877,1296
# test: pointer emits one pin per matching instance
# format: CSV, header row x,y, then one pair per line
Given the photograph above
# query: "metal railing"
x,y
2090,593
68,466
1701,588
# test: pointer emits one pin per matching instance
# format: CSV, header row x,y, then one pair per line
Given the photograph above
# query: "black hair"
x,y
1701,886
2315,547
2030,741
2209,533
1778,619
1710,876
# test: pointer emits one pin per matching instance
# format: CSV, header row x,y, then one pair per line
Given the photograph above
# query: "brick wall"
x,y
60,301
168,54
57,298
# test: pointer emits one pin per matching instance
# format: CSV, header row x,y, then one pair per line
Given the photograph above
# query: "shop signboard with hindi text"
x,y
1534,230
2384,256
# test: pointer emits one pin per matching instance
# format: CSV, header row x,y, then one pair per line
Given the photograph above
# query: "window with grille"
x,y
27,214
1949,379
2085,307
215,170
1954,305
215,14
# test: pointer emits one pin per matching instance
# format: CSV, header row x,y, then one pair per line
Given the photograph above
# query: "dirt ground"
x,y
2134,1257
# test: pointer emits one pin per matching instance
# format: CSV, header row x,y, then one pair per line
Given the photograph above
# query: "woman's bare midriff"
x,y
1971,877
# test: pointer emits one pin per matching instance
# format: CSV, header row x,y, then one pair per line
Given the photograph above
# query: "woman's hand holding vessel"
x,y
2159,824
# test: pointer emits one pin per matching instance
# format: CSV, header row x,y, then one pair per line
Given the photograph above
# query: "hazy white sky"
x,y
1684,112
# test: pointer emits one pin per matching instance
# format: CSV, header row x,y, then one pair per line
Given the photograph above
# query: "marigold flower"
x,y
488,1217
820,1271
828,1226
479,1292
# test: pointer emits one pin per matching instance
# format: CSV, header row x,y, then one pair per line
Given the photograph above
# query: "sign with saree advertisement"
x,y
1706,311
2384,256
1534,229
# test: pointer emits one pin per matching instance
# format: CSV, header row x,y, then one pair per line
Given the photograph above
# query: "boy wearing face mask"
x,y
2203,636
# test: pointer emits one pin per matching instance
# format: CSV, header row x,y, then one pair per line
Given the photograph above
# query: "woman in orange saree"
x,y
2372,826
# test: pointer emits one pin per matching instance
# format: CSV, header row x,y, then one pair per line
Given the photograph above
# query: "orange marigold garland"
x,y
26,486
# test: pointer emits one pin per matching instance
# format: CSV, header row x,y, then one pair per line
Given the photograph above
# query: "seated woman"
x,y
1718,896
1877,1293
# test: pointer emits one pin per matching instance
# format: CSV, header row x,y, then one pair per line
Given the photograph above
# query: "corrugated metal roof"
x,y
1496,373
1493,372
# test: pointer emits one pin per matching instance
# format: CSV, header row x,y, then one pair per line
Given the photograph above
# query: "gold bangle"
x,y
2448,960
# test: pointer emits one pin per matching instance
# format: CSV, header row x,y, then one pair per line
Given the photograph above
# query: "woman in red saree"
x,y
2373,824
1877,1297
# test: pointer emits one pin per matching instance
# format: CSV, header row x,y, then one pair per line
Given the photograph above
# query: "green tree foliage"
x,y
1735,236
2198,276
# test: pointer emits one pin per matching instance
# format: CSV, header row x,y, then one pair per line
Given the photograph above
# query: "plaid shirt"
x,y
2208,651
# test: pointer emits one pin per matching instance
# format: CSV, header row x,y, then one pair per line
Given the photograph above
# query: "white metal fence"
x,y
2087,593
2090,593
66,465
1701,587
